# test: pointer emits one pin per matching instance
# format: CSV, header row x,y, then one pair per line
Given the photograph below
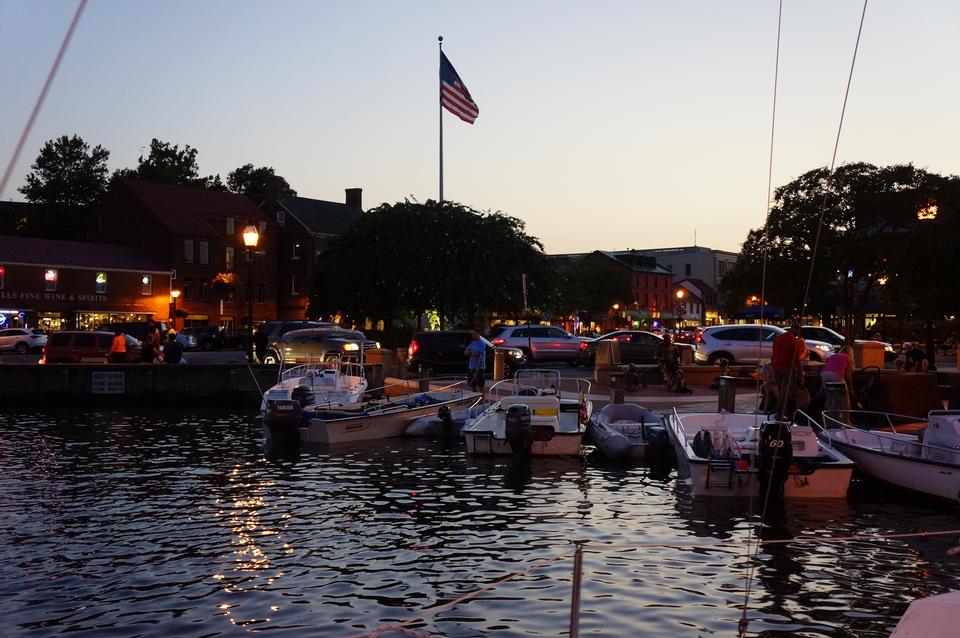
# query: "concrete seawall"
x,y
227,385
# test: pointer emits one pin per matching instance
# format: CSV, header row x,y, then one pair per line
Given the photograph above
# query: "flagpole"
x,y
440,98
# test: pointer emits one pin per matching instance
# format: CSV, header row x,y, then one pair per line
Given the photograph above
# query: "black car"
x,y
443,351
208,337
636,346
318,344
276,329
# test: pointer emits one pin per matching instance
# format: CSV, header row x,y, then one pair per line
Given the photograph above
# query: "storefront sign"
x,y
108,382
16,295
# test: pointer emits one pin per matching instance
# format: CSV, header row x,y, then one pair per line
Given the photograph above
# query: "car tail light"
x,y
583,345
498,341
412,350
699,337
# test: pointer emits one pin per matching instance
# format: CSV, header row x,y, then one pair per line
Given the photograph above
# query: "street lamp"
x,y
250,239
680,295
174,293
927,215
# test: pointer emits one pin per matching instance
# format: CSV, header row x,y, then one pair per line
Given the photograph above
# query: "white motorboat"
x,y
445,423
722,454
922,455
287,421
331,383
534,418
623,430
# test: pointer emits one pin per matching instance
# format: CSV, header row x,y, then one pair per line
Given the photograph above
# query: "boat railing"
x,y
891,442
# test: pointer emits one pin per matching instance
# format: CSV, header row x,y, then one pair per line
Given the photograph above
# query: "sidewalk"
x,y
659,398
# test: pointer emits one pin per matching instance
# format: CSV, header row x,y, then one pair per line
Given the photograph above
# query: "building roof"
x,y
58,253
320,216
705,288
635,262
184,210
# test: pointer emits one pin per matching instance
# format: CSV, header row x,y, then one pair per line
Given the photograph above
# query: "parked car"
x,y
318,344
822,333
539,343
747,344
81,346
636,346
207,337
442,351
275,330
22,340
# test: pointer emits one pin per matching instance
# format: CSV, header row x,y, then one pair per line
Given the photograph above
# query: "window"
x,y
261,293
204,292
50,280
188,251
59,339
231,229
3,273
295,285
281,215
296,251
188,288
84,340
146,285
101,283
203,252
104,341
228,257
686,269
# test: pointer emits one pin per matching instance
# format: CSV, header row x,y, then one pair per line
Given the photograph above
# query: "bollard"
x,y
498,365
374,375
727,398
424,379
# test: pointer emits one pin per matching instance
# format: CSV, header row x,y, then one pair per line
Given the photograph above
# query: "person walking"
x,y
172,351
118,347
477,363
786,367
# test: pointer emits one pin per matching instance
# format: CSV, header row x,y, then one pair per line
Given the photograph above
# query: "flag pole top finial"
x,y
440,38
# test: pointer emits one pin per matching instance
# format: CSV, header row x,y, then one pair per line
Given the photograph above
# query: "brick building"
x,y
55,284
197,233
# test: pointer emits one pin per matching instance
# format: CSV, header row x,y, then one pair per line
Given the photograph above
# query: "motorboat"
x,y
331,383
922,455
289,421
624,430
723,454
445,423
531,417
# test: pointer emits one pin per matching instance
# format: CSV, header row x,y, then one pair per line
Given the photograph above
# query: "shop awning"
x,y
755,312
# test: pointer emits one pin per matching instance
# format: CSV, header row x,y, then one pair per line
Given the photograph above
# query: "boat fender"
x,y
446,420
517,427
302,394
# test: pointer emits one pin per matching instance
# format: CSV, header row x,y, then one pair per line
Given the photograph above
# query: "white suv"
x,y
22,340
539,343
747,344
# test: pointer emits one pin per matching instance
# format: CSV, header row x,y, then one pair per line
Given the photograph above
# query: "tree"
x,y
588,285
67,173
257,183
169,164
412,257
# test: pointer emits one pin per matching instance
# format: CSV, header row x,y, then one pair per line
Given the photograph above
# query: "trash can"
x,y
867,354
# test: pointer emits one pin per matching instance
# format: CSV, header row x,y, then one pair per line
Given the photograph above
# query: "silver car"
x,y
539,343
747,344
22,340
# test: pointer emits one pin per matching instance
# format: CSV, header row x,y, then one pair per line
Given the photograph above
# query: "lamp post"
x,y
927,217
680,307
174,293
250,239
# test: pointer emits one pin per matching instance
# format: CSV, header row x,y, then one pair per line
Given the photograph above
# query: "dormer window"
x,y
281,216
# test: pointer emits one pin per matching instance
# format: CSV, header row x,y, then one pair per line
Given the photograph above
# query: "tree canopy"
x,y
67,172
588,285
872,241
170,164
256,183
413,257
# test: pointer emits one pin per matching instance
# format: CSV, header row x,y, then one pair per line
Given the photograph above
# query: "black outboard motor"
x,y
518,429
282,420
774,456
446,420
303,394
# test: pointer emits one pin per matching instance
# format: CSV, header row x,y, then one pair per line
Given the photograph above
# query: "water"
x,y
127,523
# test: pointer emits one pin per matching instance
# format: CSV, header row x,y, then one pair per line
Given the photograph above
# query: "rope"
x,y
699,543
43,95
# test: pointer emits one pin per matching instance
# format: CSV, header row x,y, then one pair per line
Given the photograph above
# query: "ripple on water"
x,y
156,524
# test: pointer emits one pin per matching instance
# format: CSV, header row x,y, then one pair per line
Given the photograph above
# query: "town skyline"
x,y
610,127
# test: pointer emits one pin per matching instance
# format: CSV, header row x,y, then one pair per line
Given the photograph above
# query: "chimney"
x,y
355,198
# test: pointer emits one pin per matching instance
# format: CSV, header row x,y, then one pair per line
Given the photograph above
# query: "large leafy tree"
x,y
587,284
411,257
169,163
256,183
67,172
871,236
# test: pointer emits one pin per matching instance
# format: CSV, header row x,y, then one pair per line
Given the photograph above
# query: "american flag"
x,y
454,95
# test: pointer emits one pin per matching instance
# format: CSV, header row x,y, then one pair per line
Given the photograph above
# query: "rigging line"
x,y
751,551
43,95
833,160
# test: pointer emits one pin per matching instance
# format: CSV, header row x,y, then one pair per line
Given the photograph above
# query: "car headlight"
x,y
376,344
350,347
823,347
887,347
516,354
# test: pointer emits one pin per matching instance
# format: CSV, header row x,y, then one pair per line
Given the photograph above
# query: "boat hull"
x,y
484,442
616,445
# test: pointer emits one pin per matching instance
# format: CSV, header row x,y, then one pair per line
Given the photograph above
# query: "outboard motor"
x,y
282,420
303,394
446,420
774,456
518,429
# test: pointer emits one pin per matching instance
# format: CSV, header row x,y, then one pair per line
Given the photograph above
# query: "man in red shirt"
x,y
785,359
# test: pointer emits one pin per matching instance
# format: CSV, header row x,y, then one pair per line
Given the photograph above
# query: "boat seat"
x,y
543,410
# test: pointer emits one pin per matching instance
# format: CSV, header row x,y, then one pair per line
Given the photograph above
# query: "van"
x,y
81,346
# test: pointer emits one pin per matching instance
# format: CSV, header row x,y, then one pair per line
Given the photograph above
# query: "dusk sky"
x,y
603,125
